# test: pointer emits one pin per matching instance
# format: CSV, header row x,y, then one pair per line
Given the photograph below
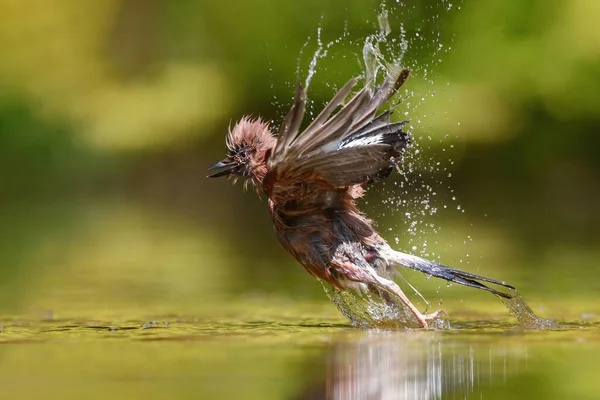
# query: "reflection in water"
x,y
416,365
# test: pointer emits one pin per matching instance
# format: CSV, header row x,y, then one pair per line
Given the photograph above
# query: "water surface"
x,y
280,356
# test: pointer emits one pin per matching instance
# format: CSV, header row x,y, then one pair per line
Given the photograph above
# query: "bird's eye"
x,y
242,153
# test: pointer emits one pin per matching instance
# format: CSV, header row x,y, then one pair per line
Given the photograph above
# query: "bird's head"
x,y
248,145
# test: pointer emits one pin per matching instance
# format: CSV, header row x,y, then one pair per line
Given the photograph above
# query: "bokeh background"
x,y
111,111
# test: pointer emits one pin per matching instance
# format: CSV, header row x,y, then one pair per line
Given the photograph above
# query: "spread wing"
x,y
350,147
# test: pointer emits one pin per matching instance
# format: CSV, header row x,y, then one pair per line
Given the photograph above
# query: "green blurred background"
x,y
131,275
111,111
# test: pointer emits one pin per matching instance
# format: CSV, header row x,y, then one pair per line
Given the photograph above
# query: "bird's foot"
x,y
433,316
426,319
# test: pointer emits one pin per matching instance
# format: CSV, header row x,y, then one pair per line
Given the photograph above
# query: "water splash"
x,y
369,311
525,316
318,54
373,57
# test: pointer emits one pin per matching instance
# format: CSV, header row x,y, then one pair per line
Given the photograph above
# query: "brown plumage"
x,y
313,178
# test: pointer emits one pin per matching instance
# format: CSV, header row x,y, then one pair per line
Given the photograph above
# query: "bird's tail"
x,y
440,271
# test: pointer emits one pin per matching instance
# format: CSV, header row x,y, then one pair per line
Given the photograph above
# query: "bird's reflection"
x,y
416,365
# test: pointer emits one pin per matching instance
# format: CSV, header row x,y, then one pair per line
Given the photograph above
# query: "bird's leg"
x,y
393,288
391,300
386,296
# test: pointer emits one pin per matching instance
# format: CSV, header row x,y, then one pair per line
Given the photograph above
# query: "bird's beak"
x,y
226,167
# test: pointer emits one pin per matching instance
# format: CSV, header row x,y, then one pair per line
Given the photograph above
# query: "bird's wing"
x,y
349,147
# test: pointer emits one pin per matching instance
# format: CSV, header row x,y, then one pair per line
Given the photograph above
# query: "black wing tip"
x,y
402,78
479,285
461,277
502,294
479,278
471,283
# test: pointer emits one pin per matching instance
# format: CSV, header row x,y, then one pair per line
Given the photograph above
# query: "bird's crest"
x,y
250,133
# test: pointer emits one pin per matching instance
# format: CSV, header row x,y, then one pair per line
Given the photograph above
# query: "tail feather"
x,y
447,273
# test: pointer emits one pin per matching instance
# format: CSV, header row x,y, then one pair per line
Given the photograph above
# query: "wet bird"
x,y
313,179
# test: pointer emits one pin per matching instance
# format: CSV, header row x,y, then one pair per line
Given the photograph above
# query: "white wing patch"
x,y
362,141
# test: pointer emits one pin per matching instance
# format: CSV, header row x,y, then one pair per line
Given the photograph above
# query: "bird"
x,y
313,178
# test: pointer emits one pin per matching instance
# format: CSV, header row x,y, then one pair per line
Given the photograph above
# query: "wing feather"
x,y
390,85
328,110
318,153
350,166
290,127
